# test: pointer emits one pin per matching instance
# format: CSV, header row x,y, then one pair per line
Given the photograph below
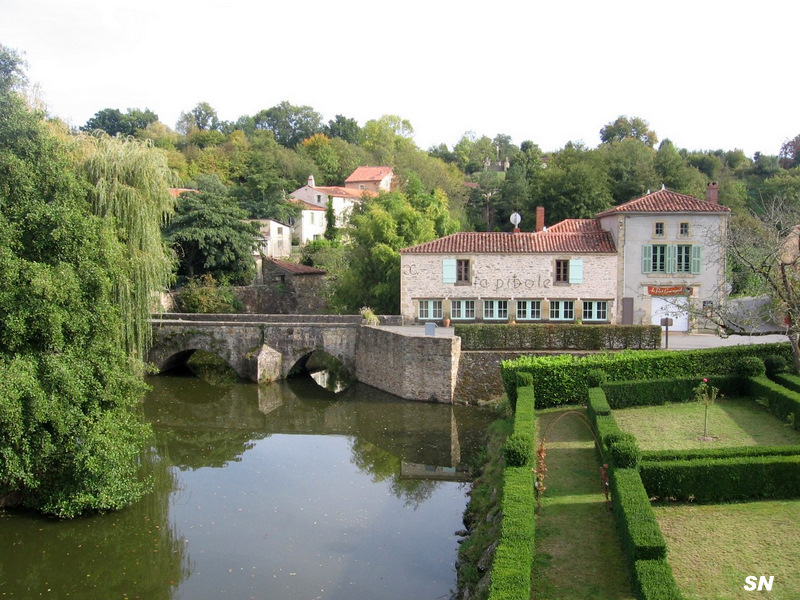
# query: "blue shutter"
x,y
576,270
647,258
695,260
449,270
671,265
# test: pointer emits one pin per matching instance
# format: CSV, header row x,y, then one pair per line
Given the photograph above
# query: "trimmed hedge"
x,y
557,336
653,580
783,402
723,479
636,521
655,392
562,379
596,403
513,559
664,455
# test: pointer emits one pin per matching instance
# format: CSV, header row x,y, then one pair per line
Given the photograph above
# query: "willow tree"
x,y
130,182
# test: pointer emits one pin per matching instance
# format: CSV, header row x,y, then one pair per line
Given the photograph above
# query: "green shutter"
x,y
449,270
576,270
647,258
695,260
671,265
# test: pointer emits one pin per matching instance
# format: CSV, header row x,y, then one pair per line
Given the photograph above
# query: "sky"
x,y
706,74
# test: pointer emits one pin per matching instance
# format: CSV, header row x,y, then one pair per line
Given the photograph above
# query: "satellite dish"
x,y
515,218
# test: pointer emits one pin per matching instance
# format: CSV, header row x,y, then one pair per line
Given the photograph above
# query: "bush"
x,y
636,521
723,479
595,378
596,404
624,451
518,450
557,336
666,455
655,392
775,364
782,402
751,366
206,295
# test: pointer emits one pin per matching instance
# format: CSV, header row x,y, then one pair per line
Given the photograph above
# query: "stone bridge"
x,y
258,347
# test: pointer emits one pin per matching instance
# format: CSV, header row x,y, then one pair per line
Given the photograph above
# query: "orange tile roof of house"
x,y
341,192
175,192
296,268
307,205
665,200
369,174
577,236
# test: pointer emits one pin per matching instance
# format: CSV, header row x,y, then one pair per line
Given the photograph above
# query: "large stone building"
x,y
657,256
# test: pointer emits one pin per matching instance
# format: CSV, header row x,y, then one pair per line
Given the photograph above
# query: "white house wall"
x,y
506,277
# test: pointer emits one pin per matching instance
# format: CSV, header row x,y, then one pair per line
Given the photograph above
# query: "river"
x,y
284,491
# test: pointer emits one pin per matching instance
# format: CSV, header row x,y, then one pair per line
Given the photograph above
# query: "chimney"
x,y
311,181
540,218
712,192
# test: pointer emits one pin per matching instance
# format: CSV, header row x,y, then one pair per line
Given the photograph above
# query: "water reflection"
x,y
282,491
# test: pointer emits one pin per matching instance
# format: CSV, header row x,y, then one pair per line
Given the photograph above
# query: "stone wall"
x,y
298,296
412,367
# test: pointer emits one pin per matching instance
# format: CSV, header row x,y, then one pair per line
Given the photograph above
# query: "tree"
x,y
202,117
290,124
764,245
629,164
70,433
114,122
676,174
343,128
210,235
130,183
790,153
628,128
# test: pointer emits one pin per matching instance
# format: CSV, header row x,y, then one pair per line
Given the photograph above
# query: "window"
x,y
462,309
319,198
659,262
683,230
595,310
562,310
430,309
562,271
684,259
659,232
495,309
462,272
529,310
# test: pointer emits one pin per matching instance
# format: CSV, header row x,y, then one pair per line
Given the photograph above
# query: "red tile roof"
x,y
571,236
176,192
369,174
665,200
307,205
296,268
335,190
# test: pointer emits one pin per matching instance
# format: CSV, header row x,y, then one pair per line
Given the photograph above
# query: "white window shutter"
x,y
449,270
576,270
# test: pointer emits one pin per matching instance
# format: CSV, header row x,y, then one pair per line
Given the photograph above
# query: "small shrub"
x,y
750,366
594,378
206,295
518,450
624,450
775,364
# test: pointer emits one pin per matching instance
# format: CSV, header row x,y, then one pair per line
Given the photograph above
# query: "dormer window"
x,y
659,232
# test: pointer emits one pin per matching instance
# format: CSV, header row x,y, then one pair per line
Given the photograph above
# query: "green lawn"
x,y
578,554
732,422
712,548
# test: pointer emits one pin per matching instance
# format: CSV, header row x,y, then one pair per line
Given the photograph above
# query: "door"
x,y
674,308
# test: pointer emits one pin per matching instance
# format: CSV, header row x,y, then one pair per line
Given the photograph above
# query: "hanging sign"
x,y
669,290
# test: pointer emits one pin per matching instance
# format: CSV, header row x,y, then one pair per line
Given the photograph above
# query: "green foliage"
x,y
654,580
624,451
783,402
595,378
636,522
556,336
70,430
732,452
653,392
751,366
774,365
210,235
518,450
513,559
723,479
114,122
206,295
596,404
562,379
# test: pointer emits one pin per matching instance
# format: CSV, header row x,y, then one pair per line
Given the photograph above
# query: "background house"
x,y
310,225
564,273
314,203
672,257
372,179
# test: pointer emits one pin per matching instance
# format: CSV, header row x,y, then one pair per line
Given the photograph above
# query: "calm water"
x,y
274,492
